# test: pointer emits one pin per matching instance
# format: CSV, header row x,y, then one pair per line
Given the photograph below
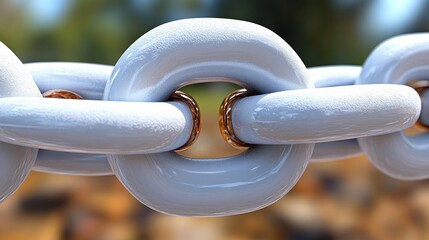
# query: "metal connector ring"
x,y
225,119
61,93
196,117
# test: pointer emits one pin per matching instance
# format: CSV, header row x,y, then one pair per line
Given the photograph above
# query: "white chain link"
x,y
16,161
125,112
398,61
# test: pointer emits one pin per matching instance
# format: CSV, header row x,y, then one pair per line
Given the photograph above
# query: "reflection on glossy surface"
x,y
215,187
325,114
16,161
332,76
95,126
204,49
97,165
399,156
72,163
398,61
191,51
330,151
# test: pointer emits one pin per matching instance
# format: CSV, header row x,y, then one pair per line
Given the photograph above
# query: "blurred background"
x,y
347,199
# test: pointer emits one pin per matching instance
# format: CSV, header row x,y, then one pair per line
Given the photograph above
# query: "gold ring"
x,y
420,86
61,93
225,119
196,117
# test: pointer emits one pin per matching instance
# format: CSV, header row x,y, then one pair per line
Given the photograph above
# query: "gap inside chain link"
x,y
422,87
210,143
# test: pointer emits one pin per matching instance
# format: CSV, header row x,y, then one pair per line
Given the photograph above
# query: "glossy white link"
x,y
87,80
72,163
195,50
183,186
15,161
398,60
331,151
89,126
325,114
332,76
173,53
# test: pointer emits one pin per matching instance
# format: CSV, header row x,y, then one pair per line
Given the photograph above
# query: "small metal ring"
x,y
225,119
196,117
420,86
61,93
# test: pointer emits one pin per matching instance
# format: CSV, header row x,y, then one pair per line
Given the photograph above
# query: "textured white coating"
x,y
90,126
16,161
195,50
398,60
325,114
331,76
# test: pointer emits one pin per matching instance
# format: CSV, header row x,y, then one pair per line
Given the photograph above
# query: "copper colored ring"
x,y
196,117
420,86
225,119
61,93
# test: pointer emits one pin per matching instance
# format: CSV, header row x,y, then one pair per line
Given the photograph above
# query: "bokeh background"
x,y
347,199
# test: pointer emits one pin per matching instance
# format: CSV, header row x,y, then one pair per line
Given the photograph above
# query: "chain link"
x,y
125,126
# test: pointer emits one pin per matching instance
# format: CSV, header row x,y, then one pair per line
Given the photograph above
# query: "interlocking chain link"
x,y
126,125
399,60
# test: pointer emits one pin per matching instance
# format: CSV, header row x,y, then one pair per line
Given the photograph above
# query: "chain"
x,y
127,120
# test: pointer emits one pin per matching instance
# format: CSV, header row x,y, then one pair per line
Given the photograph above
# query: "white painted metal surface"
x,y
89,126
331,151
185,52
86,79
332,76
398,61
325,114
15,161
81,164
